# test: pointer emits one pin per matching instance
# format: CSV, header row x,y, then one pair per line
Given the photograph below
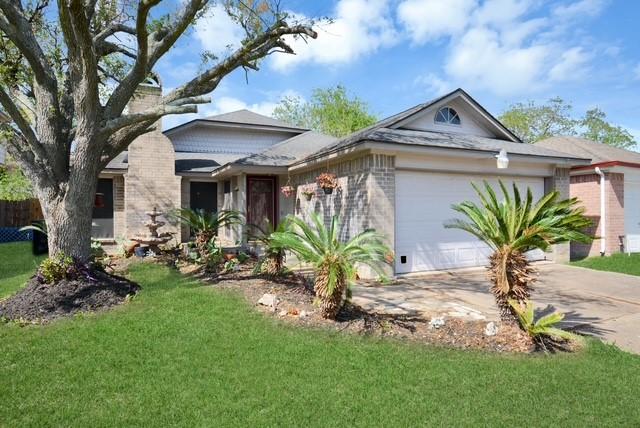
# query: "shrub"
x,y
334,261
56,268
543,327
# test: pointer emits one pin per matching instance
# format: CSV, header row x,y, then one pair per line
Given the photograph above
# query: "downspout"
x,y
603,213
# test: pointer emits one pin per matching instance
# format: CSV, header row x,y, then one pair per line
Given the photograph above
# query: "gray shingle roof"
x,y
598,152
383,125
461,141
247,117
289,151
185,161
121,161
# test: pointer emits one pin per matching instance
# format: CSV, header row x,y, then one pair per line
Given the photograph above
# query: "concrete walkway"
x,y
604,304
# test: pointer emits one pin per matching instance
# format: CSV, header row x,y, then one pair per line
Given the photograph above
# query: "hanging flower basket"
x,y
308,192
287,191
327,182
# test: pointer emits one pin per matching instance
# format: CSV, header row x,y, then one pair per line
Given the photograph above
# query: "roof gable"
x,y
474,119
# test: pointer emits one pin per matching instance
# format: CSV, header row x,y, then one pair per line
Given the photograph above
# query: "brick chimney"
x,y
151,180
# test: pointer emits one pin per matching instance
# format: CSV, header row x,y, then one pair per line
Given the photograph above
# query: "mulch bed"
x,y
296,305
38,303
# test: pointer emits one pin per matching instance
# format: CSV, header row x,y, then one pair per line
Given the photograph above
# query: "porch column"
x,y
241,206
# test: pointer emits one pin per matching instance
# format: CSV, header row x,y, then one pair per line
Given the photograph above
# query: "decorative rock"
x,y
436,322
304,314
282,314
491,329
270,300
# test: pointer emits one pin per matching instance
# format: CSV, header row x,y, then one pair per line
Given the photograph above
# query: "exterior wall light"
x,y
502,159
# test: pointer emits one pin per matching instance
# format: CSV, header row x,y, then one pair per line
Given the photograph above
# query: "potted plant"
x,y
308,192
287,190
327,181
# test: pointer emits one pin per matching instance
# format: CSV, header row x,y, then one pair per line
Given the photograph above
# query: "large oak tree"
x,y
69,68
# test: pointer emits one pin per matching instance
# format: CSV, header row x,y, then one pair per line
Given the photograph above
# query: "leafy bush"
x,y
273,259
513,225
205,225
56,268
542,327
334,261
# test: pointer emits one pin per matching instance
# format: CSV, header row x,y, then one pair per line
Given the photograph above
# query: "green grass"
x,y
17,265
629,264
188,355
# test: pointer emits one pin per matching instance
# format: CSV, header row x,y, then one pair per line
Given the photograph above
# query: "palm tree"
x,y
335,262
512,227
272,262
205,225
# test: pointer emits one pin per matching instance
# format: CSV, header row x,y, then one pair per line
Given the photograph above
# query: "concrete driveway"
x,y
604,304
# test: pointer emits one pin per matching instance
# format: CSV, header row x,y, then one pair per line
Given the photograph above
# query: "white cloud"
x,y
480,59
571,65
508,47
580,8
217,31
359,27
434,84
431,19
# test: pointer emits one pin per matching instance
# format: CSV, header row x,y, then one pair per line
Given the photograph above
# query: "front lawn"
x,y
622,263
184,354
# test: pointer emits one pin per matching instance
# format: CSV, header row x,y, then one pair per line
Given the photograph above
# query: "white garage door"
x,y
631,204
423,205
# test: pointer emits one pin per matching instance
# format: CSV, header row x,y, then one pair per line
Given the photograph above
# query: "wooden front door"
x,y
261,201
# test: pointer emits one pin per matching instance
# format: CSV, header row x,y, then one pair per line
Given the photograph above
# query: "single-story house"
x,y
609,188
399,176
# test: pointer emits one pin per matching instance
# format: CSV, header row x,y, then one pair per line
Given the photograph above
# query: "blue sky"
x,y
397,53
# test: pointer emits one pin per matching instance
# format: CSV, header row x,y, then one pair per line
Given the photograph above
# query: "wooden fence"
x,y
18,214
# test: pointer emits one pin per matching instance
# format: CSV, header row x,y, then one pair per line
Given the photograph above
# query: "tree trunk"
x,y
69,216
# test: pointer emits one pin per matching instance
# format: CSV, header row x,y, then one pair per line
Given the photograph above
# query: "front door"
x,y
261,201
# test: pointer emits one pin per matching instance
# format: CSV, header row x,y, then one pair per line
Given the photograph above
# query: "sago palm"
x,y
205,225
334,261
274,257
511,227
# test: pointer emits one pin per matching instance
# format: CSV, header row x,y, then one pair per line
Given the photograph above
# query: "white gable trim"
x,y
477,109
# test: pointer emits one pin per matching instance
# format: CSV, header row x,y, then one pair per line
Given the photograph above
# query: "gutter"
x,y
603,212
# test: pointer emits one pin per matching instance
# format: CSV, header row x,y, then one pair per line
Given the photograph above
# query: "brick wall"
x,y
560,181
150,180
119,217
587,189
365,197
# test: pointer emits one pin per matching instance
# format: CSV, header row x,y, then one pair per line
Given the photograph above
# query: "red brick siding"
x,y
587,189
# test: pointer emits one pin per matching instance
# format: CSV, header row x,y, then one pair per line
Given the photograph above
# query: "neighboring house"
x,y
609,188
399,176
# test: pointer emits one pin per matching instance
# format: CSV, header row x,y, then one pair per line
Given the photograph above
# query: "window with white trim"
x,y
447,115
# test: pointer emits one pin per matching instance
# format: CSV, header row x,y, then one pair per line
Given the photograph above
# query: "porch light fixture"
x,y
502,159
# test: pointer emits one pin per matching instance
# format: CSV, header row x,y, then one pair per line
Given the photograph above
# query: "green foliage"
x,y
330,111
596,128
14,186
532,122
273,250
55,268
202,222
322,247
520,223
543,326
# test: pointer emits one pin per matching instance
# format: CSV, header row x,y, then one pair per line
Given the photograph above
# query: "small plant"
x,y
334,260
230,265
56,268
308,192
243,257
205,225
327,182
214,256
287,191
272,262
542,327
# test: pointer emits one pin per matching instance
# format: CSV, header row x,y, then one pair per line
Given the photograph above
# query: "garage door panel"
x,y
423,206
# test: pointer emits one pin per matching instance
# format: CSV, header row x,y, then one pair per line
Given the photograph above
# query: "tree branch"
x,y
251,51
18,118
